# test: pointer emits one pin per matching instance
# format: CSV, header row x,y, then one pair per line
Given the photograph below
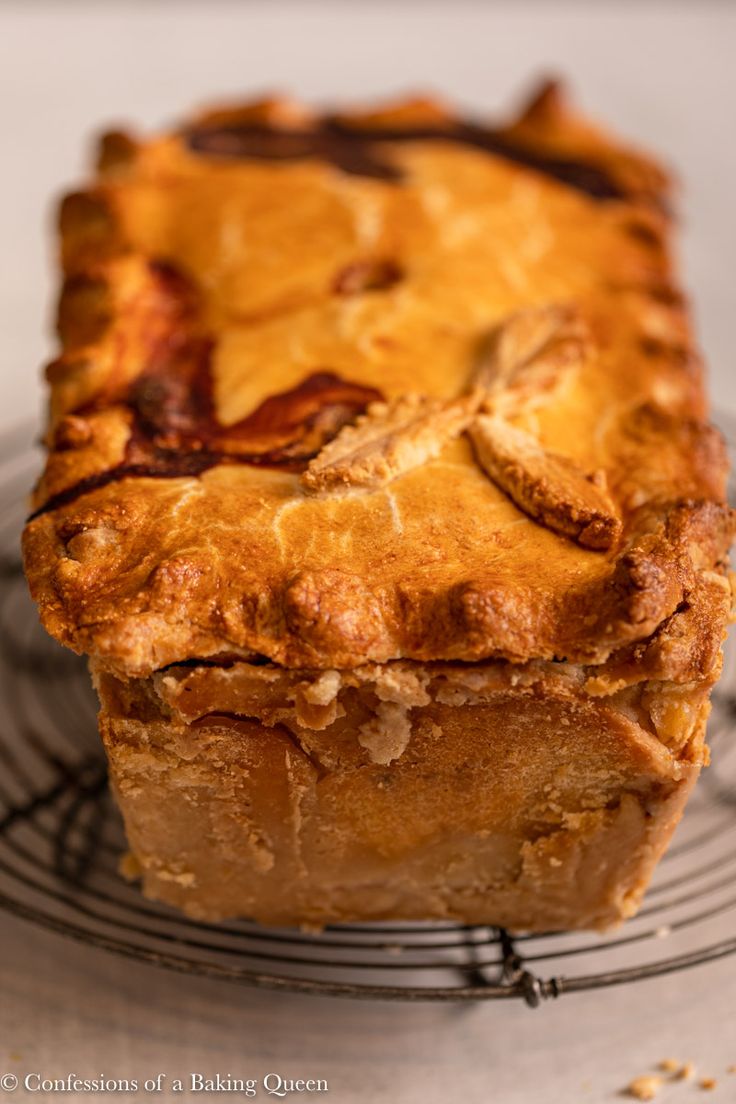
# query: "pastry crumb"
x,y
670,1065
645,1087
707,1083
686,1072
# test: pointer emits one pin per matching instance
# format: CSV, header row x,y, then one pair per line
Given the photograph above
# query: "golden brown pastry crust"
x,y
223,316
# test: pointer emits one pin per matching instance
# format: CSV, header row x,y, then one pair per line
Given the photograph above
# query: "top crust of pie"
x,y
344,389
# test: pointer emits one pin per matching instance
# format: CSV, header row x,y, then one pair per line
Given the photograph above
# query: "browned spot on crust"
x,y
116,152
84,310
88,230
332,609
371,274
174,427
355,147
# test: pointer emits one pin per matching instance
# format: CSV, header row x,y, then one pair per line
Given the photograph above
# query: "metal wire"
x,y
61,841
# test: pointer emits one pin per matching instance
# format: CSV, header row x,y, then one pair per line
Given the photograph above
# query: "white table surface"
x,y
664,74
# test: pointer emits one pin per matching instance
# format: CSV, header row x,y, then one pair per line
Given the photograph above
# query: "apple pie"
x,y
382,497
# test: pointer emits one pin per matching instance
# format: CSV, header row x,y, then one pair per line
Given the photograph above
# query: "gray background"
x,y
662,74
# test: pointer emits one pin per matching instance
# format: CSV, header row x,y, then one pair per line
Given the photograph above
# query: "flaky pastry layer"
x,y
535,796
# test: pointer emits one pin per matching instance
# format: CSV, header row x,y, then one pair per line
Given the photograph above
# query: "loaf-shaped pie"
x,y
382,496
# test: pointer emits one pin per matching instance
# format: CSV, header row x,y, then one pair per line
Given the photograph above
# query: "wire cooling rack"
x,y
61,841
